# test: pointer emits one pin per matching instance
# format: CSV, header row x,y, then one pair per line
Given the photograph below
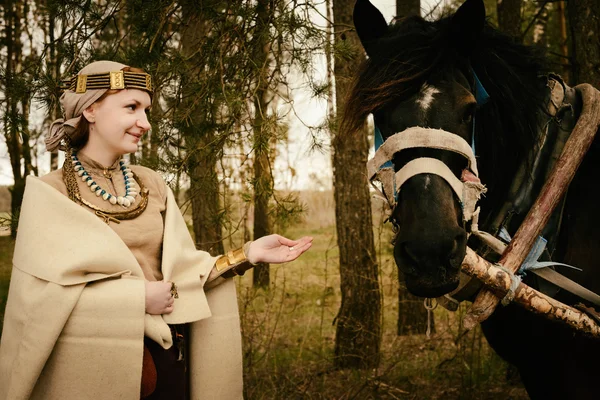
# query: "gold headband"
x,y
108,80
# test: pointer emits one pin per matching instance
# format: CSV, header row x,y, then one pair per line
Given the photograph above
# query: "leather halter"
x,y
468,192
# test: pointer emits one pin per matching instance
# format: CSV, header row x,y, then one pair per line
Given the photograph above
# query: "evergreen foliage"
x,y
204,97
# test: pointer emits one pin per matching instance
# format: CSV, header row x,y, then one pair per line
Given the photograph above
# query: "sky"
x,y
312,169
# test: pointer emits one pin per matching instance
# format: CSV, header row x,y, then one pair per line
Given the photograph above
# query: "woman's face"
x,y
118,122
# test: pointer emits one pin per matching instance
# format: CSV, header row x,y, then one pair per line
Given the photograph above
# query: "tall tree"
x,y
584,21
358,333
53,63
563,42
263,180
202,149
16,102
412,316
509,17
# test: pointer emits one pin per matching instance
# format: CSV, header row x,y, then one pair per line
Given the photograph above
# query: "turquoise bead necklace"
x,y
131,189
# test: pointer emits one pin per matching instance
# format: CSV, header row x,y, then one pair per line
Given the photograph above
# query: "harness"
x,y
561,113
468,192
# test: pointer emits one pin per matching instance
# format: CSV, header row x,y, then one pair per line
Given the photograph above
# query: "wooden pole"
x,y
575,149
499,282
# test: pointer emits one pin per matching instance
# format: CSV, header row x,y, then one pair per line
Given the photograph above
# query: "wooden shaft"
x,y
498,281
575,149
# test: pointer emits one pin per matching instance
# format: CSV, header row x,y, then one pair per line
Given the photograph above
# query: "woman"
x,y
109,299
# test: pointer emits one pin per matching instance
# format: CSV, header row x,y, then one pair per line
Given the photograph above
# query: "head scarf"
x,y
73,104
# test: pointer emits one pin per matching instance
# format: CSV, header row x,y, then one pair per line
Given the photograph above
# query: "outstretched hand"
x,y
277,249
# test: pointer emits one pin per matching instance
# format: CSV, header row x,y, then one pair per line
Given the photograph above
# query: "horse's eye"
x,y
468,117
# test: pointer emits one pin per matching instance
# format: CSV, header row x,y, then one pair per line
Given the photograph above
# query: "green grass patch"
x,y
7,246
289,334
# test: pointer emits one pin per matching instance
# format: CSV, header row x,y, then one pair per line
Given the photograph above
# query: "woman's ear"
x,y
90,114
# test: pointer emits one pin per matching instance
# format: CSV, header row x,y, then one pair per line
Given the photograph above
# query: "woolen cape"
x,y
75,322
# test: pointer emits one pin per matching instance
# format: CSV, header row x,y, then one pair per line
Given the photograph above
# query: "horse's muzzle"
x,y
423,287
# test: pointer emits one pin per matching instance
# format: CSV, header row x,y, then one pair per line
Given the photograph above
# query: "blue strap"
x,y
482,97
378,143
534,254
531,261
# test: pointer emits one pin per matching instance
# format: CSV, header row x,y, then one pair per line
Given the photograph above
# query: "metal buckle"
x,y
221,263
81,84
117,80
149,82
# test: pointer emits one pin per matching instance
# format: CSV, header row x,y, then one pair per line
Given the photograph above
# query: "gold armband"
x,y
233,263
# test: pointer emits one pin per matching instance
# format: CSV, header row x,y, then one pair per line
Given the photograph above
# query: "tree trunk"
x,y
412,316
202,154
206,209
509,17
584,21
564,48
12,121
263,181
358,333
408,8
540,26
53,68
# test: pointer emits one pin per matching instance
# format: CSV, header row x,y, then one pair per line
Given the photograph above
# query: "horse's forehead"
x,y
426,96
444,93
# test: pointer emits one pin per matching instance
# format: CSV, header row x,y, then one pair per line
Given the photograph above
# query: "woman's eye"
x,y
131,107
468,118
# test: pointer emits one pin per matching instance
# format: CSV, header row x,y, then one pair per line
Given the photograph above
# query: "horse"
x,y
462,77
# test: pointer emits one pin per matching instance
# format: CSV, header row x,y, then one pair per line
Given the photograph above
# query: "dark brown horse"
x,y
428,74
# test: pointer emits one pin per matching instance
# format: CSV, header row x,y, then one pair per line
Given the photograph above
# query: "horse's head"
x,y
430,90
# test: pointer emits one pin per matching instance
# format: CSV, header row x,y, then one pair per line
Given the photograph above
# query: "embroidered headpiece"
x,y
108,80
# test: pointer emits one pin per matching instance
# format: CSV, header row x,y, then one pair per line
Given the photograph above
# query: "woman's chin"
x,y
129,148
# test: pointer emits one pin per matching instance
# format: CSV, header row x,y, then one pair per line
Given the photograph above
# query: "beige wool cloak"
x,y
75,322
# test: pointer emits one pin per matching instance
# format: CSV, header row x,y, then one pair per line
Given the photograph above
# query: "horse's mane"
x,y
413,50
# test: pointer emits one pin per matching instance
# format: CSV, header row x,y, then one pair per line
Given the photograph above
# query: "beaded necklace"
x,y
70,179
131,190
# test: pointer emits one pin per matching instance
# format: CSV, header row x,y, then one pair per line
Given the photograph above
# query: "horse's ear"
x,y
467,25
369,23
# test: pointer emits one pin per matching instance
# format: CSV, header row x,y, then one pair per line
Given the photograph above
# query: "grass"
x,y
288,331
6,250
289,338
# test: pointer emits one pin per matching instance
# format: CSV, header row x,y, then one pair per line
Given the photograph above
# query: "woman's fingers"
x,y
159,298
169,309
299,249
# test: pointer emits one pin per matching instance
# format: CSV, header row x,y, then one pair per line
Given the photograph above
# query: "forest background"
x,y
244,130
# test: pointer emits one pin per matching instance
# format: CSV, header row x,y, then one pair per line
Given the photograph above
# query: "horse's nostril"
x,y
453,248
456,249
409,253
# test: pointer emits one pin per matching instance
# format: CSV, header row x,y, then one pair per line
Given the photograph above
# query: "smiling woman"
x,y
117,123
115,293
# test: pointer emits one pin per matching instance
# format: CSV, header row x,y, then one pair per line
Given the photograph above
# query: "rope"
x,y
515,280
430,305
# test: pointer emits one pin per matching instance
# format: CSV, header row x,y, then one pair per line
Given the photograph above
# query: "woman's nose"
x,y
143,123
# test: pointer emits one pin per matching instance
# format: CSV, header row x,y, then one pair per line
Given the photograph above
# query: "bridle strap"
x,y
416,137
426,165
467,192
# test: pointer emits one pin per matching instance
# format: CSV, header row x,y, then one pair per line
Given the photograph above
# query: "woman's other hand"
x,y
277,249
158,298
